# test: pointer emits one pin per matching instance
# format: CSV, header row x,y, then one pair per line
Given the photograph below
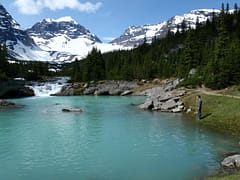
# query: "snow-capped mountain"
x,y
64,39
136,35
66,35
59,35
60,40
16,39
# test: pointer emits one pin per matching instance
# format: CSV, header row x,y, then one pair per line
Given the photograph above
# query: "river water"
x,y
110,140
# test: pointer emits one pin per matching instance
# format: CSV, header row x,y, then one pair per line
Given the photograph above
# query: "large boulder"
x,y
148,105
231,161
14,89
18,93
161,100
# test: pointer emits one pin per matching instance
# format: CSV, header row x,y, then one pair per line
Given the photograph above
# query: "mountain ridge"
x,y
136,35
64,39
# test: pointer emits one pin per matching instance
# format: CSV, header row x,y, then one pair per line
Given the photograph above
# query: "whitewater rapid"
x,y
49,87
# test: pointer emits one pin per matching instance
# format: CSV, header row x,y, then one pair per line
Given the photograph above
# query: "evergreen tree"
x,y
4,66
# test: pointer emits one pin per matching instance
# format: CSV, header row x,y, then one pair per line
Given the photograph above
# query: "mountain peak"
x,y
135,35
6,19
61,19
205,11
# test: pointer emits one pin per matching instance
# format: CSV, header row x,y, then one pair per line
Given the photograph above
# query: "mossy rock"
x,y
79,91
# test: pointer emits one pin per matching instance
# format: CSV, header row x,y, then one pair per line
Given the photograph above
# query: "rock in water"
x,y
72,110
6,104
231,161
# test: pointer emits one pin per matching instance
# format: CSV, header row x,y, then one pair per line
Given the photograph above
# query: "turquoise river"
x,y
110,140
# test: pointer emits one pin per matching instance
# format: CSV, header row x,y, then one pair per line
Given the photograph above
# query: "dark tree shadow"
x,y
203,117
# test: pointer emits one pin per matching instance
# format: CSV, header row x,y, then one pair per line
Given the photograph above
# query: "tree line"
x,y
30,70
208,54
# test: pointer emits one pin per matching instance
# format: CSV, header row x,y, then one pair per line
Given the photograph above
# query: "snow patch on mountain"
x,y
136,35
24,52
62,19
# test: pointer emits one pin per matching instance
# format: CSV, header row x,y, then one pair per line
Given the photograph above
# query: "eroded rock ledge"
x,y
164,98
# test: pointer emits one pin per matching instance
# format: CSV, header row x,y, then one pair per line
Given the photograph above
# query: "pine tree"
x,y
3,62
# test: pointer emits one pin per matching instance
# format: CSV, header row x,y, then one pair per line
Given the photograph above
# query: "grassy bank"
x,y
221,113
232,177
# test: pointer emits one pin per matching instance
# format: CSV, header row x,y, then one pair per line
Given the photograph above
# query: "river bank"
x,y
220,113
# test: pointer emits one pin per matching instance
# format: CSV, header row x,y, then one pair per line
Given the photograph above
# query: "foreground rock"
x,y
231,161
19,93
165,98
14,89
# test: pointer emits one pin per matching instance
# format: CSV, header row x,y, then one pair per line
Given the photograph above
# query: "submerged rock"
x,y
72,110
7,104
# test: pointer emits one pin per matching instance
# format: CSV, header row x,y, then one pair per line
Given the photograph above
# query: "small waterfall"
x,y
52,86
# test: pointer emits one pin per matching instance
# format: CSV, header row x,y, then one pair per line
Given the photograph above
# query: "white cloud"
x,y
35,6
27,6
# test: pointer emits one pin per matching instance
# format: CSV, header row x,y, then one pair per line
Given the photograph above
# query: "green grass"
x,y
219,112
232,177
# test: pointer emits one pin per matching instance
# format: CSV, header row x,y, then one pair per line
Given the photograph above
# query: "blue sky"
x,y
106,18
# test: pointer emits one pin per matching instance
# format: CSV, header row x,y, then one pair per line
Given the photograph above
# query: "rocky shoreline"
x,y
162,95
112,88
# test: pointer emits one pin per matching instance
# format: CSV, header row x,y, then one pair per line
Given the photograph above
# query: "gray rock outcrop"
x,y
231,161
165,98
112,88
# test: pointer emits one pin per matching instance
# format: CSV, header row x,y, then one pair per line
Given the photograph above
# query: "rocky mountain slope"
x,y
60,40
17,40
135,35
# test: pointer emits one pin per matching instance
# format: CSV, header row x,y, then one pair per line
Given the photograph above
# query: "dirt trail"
x,y
214,93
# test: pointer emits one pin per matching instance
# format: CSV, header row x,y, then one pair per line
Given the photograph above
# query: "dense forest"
x,y
209,55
